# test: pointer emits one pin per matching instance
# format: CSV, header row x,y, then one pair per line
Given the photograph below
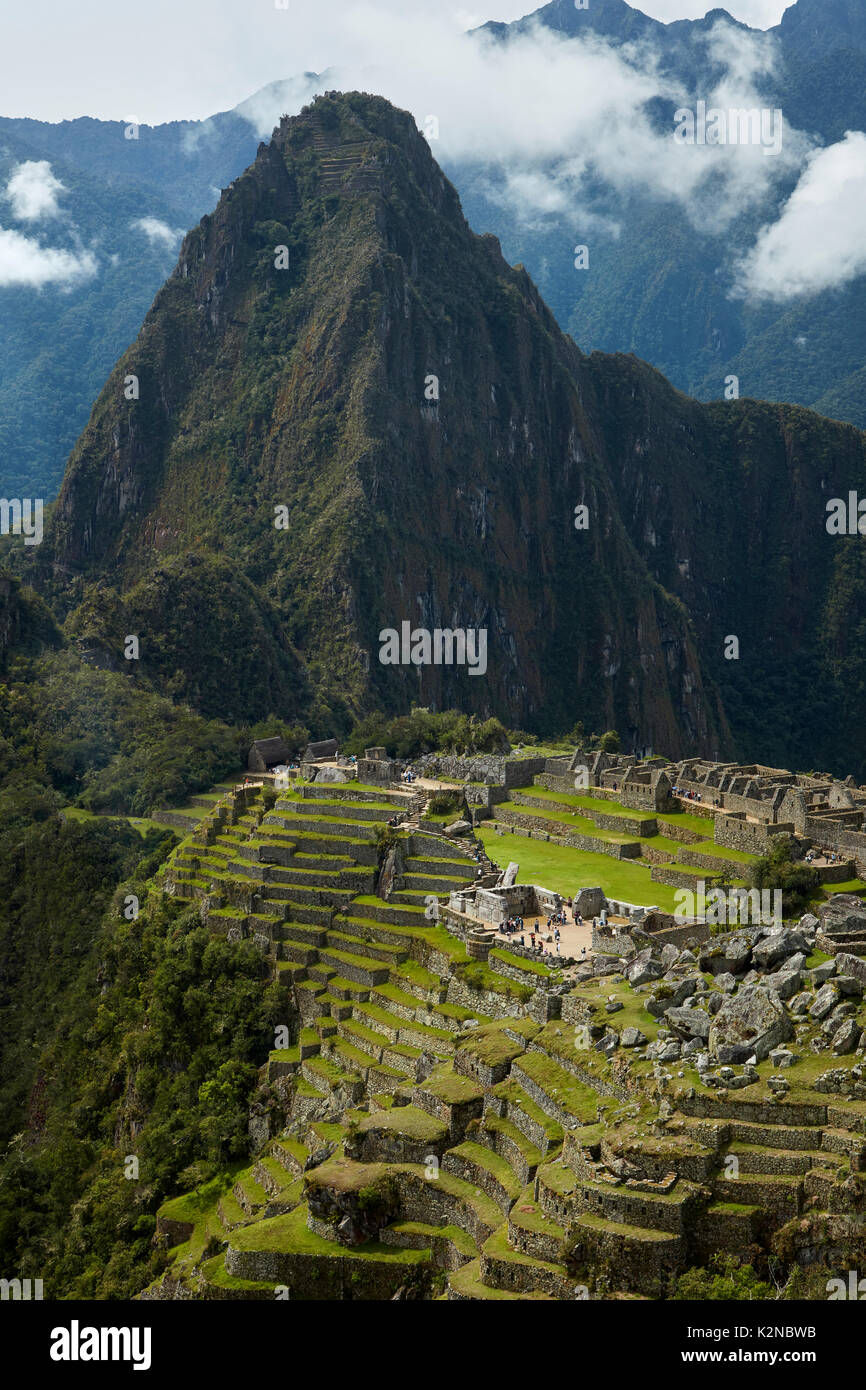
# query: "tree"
x,y
725,1280
779,869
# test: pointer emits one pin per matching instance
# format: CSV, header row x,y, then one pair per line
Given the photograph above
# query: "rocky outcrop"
x,y
754,1019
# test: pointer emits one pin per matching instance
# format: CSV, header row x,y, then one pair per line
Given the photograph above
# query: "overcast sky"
x,y
161,60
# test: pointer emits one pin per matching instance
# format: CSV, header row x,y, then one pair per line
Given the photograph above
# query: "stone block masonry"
x,y
554,831
749,837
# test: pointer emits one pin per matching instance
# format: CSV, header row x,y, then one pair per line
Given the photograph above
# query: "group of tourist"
x,y
552,936
535,942
687,795
826,855
512,925
409,775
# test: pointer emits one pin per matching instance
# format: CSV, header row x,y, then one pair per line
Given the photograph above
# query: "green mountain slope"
x,y
306,389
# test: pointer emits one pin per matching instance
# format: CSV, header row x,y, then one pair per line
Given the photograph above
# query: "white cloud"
x,y
819,241
543,114
23,262
156,231
33,190
239,47
264,108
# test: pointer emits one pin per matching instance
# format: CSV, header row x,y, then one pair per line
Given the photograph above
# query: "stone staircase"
x,y
338,161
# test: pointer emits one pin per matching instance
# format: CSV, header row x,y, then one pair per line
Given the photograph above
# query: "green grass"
x,y
816,958
586,803
633,1014
699,874
435,935
369,900
477,974
568,820
140,823
531,967
491,1046
702,825
467,1281
516,1096
851,885
563,1088
408,1120
416,974
719,852
214,1272
565,870
451,1087
498,1246
669,847
462,1242
489,1162
289,1234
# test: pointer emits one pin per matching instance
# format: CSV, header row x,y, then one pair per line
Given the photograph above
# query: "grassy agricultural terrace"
x,y
440,1129
530,827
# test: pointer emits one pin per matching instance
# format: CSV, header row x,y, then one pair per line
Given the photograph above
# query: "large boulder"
x,y
691,1023
846,1038
643,968
785,982
589,901
669,994
843,913
391,875
755,1017
851,965
332,774
820,974
727,955
825,1001
777,947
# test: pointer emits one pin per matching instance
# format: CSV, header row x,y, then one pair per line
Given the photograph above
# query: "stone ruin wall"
x,y
732,832
839,838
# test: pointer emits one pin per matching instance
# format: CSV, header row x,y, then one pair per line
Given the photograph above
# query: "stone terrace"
x,y
448,1130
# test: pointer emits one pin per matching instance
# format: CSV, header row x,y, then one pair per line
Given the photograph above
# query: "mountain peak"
x,y
337,345
612,18
351,414
824,25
